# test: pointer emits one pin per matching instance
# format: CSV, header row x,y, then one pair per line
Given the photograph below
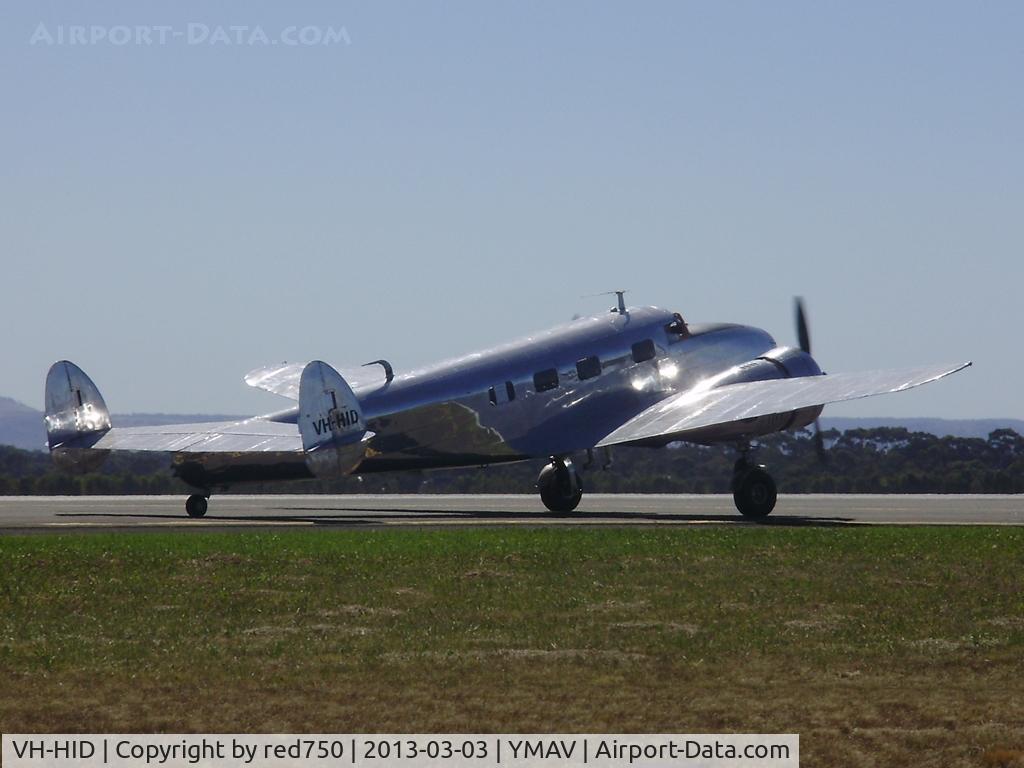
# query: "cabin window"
x,y
588,367
643,350
501,394
545,380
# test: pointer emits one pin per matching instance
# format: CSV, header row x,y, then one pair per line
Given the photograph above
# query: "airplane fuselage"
x,y
553,393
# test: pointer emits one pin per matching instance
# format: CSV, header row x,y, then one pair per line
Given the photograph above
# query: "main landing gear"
x,y
559,485
753,489
195,505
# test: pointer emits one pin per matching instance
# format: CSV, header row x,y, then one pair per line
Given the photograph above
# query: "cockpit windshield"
x,y
677,326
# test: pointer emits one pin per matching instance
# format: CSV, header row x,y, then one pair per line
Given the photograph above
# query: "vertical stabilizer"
x,y
334,434
75,411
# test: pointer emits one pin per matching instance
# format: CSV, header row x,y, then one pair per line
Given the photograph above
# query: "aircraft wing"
x,y
686,412
256,434
283,379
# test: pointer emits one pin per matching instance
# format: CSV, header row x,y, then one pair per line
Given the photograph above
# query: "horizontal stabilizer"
x,y
284,379
255,435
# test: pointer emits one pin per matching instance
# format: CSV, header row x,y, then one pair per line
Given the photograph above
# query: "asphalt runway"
x,y
25,514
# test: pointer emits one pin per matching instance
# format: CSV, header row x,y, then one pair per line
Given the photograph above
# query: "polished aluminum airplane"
x,y
633,376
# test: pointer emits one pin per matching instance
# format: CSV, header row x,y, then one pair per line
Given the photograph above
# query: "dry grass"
x,y
879,646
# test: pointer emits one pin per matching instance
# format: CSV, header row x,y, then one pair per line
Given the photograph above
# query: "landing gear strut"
x,y
753,489
559,485
195,505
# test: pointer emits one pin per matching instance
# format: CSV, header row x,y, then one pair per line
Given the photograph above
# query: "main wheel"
x,y
195,505
560,487
754,493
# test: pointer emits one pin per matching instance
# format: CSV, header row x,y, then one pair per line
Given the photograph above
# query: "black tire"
x,y
195,505
560,488
754,493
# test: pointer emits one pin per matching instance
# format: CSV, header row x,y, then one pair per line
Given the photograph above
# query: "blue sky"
x,y
457,174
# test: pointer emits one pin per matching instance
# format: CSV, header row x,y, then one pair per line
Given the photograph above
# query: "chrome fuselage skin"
x,y
507,403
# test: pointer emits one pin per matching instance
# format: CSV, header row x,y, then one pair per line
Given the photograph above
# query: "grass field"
x,y
880,646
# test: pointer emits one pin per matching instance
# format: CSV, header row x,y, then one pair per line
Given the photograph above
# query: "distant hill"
x,y
937,427
22,426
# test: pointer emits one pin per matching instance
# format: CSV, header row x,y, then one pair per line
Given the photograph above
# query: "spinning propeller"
x,y
804,338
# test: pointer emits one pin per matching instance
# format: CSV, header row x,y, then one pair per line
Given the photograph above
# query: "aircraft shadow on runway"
x,y
440,518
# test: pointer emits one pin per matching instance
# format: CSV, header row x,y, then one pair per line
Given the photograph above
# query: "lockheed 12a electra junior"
x,y
638,376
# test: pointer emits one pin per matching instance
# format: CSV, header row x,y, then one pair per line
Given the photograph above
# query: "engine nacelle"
x,y
778,363
795,362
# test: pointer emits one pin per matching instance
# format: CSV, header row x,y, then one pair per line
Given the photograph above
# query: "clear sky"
x,y
446,176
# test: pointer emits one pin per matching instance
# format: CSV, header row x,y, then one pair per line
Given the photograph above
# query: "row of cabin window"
x,y
587,368
510,393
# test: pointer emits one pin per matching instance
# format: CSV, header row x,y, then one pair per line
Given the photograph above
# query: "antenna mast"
x,y
621,304
621,308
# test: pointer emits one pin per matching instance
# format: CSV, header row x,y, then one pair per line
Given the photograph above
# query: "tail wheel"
x,y
754,493
560,487
195,505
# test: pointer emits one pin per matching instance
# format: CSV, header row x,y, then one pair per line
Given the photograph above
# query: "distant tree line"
x,y
881,460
